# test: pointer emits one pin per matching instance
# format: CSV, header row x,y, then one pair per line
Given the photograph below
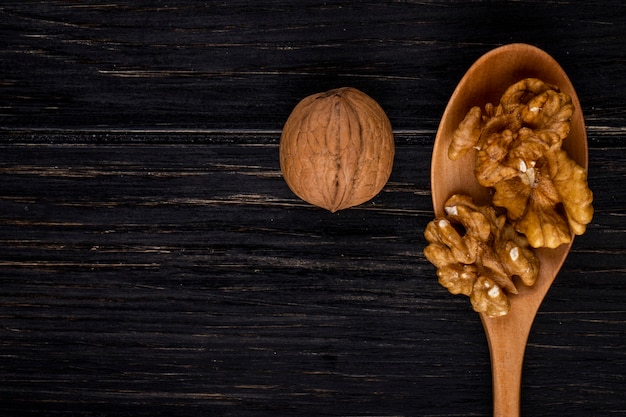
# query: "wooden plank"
x,y
234,65
186,276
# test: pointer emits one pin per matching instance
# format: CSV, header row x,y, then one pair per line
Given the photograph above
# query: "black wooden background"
x,y
153,261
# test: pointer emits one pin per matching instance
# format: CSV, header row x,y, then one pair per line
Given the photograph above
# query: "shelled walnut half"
x,y
519,156
478,253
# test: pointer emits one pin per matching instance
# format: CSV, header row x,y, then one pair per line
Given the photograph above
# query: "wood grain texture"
x,y
189,64
154,262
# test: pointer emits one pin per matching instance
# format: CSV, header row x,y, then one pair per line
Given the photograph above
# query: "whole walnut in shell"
x,y
337,149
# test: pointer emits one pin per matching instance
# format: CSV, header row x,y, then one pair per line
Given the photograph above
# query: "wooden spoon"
x,y
483,83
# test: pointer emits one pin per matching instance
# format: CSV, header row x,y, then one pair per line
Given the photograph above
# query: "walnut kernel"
x,y
519,156
478,254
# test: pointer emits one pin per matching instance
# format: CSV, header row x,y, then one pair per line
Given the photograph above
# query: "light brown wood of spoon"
x,y
483,83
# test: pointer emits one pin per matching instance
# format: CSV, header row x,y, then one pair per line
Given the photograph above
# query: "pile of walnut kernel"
x,y
542,195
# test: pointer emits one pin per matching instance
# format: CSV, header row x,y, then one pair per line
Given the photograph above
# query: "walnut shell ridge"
x,y
337,149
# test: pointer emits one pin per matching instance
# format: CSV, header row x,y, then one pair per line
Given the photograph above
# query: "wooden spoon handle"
x,y
507,337
506,369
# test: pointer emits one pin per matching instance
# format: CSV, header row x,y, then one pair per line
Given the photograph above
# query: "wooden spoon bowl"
x,y
483,83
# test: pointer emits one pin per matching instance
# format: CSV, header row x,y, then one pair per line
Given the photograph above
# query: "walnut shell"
x,y
337,149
